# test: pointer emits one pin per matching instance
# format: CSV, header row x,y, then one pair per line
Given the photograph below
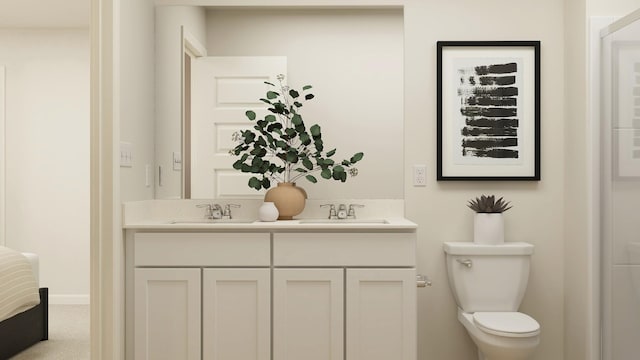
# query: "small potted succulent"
x,y
280,148
488,222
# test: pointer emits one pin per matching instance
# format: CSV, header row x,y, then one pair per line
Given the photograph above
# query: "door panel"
x,y
236,314
308,313
223,89
381,316
167,314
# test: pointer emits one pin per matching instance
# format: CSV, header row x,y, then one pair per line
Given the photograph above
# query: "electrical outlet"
x,y
419,175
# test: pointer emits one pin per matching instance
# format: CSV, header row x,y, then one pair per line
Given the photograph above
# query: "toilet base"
x,y
493,347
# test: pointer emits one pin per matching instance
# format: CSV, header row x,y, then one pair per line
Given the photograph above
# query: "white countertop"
x,y
167,215
280,225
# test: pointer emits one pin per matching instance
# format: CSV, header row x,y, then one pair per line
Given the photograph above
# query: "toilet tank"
x,y
488,277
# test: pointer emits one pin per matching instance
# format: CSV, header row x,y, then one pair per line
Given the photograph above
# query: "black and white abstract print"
x,y
488,96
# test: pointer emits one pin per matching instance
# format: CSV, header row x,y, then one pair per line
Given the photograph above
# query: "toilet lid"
x,y
512,324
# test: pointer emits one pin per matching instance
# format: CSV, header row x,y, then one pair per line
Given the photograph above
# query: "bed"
x,y
23,305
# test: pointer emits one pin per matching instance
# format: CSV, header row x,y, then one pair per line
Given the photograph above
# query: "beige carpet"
x,y
68,335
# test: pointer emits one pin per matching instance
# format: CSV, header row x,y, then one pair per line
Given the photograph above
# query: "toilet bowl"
x,y
502,335
488,283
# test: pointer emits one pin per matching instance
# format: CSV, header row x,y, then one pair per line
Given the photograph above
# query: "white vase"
x,y
488,229
268,212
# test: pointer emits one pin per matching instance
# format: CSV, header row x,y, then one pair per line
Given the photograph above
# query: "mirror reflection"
x,y
211,65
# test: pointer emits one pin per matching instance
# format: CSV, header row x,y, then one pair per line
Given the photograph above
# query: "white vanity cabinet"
x,y
167,314
344,296
200,296
279,294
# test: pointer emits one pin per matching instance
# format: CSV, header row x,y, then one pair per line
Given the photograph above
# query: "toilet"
x,y
488,283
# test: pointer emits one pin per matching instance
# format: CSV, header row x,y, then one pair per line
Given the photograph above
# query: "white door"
x,y
308,308
223,89
236,317
381,314
167,314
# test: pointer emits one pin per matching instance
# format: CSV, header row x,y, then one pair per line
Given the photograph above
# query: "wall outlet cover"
x,y
419,175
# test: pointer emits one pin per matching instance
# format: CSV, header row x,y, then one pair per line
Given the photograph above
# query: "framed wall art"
x,y
488,110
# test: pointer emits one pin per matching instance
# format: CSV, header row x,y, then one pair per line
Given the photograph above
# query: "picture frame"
x,y
488,110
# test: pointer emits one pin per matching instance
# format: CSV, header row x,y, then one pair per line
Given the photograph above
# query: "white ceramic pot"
x,y
488,229
268,212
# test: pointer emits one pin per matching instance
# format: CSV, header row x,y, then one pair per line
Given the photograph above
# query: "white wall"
x,y
354,61
47,154
611,7
136,101
168,90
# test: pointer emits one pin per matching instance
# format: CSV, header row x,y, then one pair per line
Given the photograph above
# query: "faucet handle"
x,y
208,210
332,210
351,214
226,214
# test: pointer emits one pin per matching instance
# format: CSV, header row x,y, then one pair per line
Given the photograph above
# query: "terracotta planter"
x,y
288,198
488,229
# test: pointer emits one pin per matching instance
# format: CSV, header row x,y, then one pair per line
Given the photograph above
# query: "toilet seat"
x,y
508,324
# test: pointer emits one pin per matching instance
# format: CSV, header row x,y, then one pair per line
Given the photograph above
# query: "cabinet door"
x,y
308,312
381,314
167,314
236,318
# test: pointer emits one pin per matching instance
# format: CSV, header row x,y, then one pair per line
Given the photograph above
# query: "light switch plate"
x,y
126,154
177,161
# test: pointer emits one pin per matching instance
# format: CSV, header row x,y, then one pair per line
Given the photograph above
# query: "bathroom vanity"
x,y
285,290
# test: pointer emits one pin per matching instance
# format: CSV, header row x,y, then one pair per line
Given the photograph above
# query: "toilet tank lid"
x,y
470,248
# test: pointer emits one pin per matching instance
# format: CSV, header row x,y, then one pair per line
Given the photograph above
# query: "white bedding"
x,y
18,286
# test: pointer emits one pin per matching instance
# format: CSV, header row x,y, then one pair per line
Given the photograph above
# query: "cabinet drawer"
x,y
344,249
201,249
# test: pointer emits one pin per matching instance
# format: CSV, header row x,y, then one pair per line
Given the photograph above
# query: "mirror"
x,y
353,58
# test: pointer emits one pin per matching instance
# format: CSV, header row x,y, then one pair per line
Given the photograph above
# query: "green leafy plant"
x,y
488,204
281,148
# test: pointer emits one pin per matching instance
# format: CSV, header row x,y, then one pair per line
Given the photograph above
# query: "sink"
x,y
212,221
343,221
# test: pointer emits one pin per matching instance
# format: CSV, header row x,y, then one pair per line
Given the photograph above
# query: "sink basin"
x,y
343,221
212,221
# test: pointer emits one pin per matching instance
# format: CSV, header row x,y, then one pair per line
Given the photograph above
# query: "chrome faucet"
x,y
226,214
351,214
211,211
332,211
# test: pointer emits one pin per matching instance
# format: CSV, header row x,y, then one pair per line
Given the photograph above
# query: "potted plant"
x,y
488,222
281,149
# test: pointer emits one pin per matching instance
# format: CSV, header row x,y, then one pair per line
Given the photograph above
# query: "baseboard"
x,y
68,299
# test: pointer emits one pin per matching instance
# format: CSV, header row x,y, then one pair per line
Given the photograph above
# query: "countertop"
x,y
394,224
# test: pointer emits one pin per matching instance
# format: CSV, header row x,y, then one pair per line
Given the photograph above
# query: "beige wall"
x,y
136,100
47,154
439,209
577,304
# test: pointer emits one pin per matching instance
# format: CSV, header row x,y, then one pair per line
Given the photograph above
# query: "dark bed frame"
x,y
25,329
